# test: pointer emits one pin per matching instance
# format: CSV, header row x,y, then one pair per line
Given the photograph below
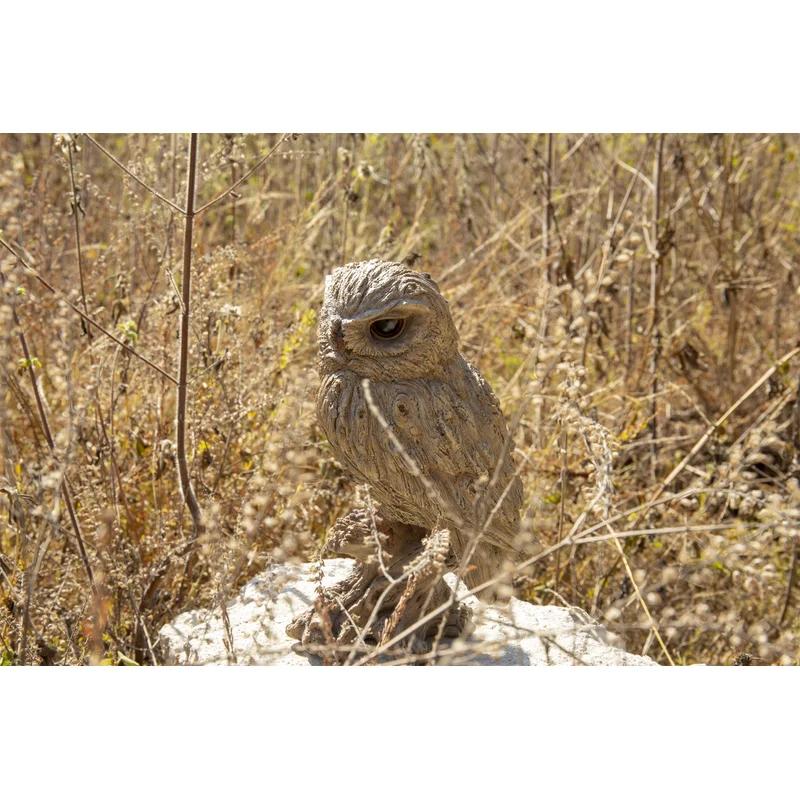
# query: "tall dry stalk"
x,y
187,490
66,494
733,288
655,279
48,435
548,205
77,210
547,219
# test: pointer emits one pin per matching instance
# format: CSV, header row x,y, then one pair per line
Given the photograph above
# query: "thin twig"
x,y
675,529
65,490
548,205
563,498
655,286
138,180
60,295
241,180
620,212
715,425
76,209
653,626
787,597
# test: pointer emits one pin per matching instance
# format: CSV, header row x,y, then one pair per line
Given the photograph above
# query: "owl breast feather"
x,y
432,458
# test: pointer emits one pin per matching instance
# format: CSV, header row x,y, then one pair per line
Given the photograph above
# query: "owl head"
x,y
384,321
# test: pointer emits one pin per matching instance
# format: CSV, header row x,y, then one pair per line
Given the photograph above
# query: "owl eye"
x,y
387,328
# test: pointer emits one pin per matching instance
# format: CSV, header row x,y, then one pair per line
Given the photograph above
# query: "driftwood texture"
x,y
408,415
396,579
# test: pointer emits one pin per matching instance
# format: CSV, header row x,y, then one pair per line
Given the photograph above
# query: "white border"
x,y
353,65
374,732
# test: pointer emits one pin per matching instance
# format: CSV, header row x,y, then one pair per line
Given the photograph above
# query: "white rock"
x,y
517,633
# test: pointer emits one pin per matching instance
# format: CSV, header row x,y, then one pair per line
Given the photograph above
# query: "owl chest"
x,y
408,426
366,426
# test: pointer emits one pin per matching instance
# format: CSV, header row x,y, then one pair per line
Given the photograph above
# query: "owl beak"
x,y
337,335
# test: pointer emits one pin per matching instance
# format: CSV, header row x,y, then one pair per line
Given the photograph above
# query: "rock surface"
x,y
518,633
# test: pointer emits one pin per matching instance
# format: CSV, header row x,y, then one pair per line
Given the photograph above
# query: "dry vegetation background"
x,y
619,292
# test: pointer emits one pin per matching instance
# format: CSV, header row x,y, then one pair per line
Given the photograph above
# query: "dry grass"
x,y
617,309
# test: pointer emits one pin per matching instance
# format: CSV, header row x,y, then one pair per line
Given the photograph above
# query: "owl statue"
x,y
408,415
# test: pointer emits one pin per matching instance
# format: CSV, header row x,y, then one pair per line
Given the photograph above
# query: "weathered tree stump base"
x,y
396,580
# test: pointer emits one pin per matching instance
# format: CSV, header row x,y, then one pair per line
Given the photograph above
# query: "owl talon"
x,y
383,596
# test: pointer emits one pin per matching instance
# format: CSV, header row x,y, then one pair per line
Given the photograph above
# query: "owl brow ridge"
x,y
398,292
377,279
383,310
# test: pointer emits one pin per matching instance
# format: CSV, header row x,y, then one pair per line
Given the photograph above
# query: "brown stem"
x,y
345,215
187,491
787,597
629,318
562,499
65,490
551,280
655,275
241,180
548,208
75,215
734,270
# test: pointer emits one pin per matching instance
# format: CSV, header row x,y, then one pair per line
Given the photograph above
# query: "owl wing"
x,y
455,434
